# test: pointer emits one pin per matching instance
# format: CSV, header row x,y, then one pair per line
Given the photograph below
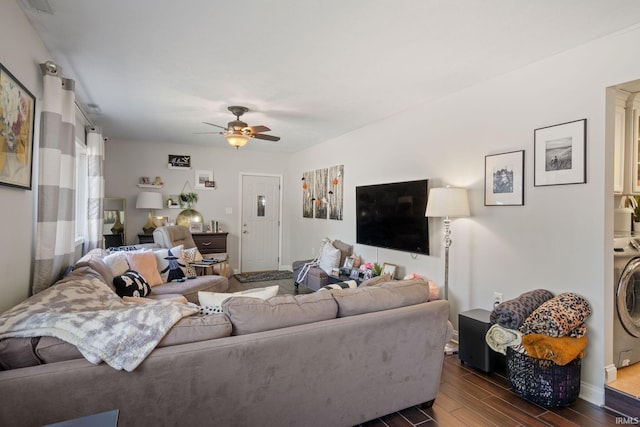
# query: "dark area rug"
x,y
262,276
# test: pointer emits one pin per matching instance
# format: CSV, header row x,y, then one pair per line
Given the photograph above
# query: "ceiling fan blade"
x,y
266,137
218,126
207,133
259,128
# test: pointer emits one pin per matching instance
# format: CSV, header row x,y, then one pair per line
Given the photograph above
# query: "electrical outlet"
x,y
497,298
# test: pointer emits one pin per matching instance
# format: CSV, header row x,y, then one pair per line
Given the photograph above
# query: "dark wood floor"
x,y
469,397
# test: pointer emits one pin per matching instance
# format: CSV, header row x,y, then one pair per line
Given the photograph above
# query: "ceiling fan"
x,y
238,132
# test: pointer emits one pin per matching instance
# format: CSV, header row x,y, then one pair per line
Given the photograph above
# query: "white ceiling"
x,y
310,70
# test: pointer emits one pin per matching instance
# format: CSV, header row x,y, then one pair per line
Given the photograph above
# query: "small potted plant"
x,y
188,199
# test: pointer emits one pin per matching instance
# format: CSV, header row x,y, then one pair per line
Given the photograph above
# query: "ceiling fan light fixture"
x,y
237,140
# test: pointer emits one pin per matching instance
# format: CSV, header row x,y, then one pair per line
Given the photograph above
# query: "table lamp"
x,y
151,201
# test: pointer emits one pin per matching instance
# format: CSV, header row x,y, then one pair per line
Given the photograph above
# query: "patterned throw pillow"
x,y
131,284
341,285
211,302
123,249
171,264
191,255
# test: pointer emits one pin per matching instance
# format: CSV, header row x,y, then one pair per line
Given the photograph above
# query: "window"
x,y
82,197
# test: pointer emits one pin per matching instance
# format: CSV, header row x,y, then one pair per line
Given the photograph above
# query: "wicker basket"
x,y
542,381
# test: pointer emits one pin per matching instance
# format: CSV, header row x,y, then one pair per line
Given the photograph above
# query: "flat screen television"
x,y
392,216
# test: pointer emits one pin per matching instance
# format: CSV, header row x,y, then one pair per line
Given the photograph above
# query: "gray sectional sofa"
x,y
332,358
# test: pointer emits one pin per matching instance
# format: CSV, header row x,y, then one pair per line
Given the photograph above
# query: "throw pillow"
x,y
131,284
191,255
117,263
341,285
145,263
122,249
329,258
171,264
210,302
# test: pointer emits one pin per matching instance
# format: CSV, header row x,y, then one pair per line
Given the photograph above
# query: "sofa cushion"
x,y
145,263
250,315
95,261
188,329
171,264
211,302
131,284
376,280
197,328
380,297
345,251
18,353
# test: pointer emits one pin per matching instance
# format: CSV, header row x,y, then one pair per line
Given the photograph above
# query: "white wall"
x,y
127,161
560,240
20,52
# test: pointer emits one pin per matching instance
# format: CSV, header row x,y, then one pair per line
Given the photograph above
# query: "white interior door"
x,y
260,227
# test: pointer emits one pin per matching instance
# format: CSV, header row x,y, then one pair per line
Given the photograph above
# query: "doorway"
x,y
260,223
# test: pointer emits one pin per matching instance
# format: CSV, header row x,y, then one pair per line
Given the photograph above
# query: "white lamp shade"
x,y
149,200
237,140
447,202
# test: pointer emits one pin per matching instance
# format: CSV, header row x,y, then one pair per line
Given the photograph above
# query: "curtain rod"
x,y
87,119
52,68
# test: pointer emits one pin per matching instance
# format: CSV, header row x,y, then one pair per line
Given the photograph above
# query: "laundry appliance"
x,y
626,322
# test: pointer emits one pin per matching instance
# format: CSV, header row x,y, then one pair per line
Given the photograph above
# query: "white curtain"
x,y
55,233
95,188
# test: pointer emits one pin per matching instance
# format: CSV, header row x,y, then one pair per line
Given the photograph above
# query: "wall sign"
x,y
179,161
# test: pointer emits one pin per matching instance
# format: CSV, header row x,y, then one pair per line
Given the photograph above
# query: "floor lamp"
x,y
447,202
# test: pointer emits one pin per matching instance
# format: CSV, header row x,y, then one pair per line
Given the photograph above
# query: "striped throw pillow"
x,y
341,285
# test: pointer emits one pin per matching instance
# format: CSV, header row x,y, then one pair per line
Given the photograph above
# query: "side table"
x,y
207,268
473,348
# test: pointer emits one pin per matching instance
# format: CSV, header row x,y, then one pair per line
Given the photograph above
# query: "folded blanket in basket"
x,y
510,314
560,350
558,317
499,338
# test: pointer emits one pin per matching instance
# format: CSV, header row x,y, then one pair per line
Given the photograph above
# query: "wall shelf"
x,y
150,186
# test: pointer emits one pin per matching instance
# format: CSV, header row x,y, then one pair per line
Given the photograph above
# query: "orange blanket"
x,y
561,350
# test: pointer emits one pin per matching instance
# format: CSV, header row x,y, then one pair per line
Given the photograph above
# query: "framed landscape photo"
x,y
560,154
201,179
504,179
17,113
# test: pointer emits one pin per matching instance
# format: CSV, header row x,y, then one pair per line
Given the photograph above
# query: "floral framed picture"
x,y
17,111
560,154
195,227
504,179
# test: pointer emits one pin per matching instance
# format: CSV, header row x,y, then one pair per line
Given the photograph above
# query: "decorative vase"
x,y
188,216
117,228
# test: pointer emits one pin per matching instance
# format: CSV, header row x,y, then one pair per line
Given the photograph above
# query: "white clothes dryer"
x,y
626,322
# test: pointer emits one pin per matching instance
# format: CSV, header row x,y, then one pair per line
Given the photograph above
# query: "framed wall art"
x,y
204,179
17,111
560,154
504,179
179,161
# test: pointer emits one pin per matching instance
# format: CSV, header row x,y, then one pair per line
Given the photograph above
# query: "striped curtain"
x,y
55,230
95,188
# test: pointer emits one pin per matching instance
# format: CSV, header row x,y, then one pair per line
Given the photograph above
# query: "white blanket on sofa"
x,y
88,314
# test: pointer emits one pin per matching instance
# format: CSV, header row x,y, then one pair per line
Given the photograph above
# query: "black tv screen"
x,y
392,216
